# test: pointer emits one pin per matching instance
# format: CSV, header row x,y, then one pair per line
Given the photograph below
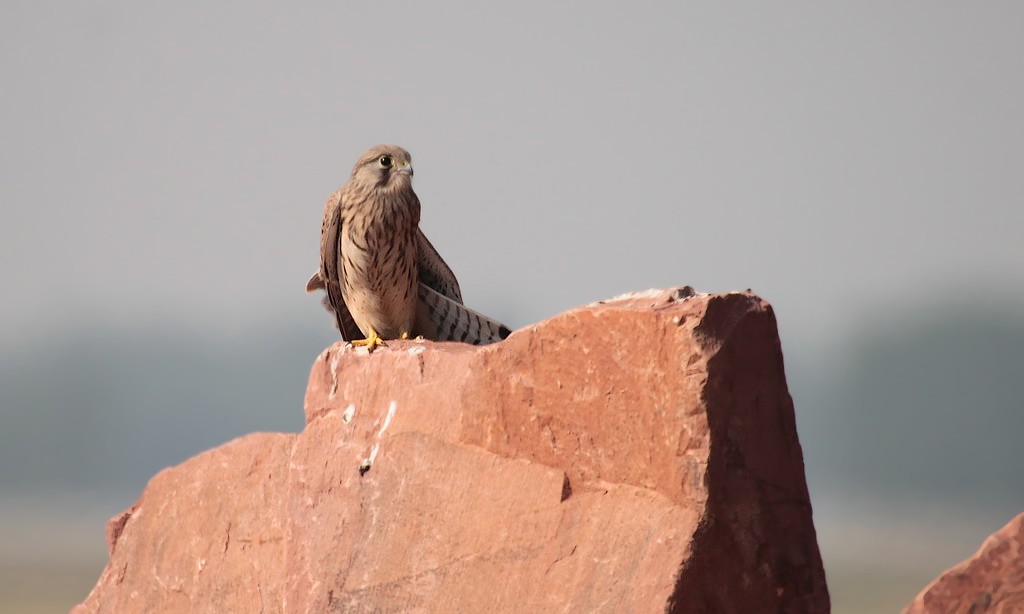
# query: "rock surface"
x,y
990,581
635,455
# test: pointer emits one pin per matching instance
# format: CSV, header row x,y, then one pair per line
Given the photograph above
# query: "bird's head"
x,y
384,167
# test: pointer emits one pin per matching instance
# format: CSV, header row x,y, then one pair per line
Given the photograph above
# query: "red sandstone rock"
x,y
635,455
990,581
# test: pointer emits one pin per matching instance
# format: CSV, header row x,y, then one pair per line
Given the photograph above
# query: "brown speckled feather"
x,y
330,251
434,272
442,319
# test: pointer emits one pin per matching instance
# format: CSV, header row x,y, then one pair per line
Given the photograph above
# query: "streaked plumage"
x,y
383,277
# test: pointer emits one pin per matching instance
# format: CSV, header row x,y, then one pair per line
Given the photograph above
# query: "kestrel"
x,y
383,278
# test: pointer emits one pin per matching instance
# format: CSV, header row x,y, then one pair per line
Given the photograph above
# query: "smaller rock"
x,y
990,581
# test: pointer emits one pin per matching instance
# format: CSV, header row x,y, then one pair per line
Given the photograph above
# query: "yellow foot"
x,y
372,341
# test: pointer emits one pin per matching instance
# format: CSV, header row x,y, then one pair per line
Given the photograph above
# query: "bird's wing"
x,y
433,271
316,282
441,318
346,325
331,271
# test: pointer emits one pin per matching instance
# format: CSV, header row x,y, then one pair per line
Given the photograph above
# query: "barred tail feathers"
x,y
442,319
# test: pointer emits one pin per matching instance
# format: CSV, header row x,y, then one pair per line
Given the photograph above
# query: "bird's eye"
x,y
385,161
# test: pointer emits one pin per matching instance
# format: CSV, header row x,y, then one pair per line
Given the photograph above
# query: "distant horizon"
x,y
307,314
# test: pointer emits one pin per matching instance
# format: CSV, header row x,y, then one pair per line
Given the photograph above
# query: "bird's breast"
x,y
379,264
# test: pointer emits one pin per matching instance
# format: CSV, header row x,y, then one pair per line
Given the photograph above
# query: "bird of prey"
x,y
384,280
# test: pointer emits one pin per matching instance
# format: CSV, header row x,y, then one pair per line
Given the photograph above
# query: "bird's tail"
x,y
442,319
342,316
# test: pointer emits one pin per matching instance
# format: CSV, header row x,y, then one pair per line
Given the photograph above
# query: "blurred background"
x,y
859,165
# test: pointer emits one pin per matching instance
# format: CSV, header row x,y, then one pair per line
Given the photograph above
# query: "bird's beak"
x,y
405,169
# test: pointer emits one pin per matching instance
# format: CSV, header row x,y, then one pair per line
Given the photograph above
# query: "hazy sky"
x,y
170,164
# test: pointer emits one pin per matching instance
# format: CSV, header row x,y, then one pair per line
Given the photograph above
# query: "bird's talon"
x,y
372,341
